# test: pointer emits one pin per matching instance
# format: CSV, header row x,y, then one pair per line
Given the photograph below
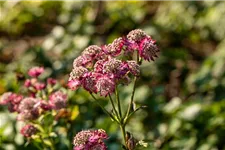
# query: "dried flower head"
x,y
79,61
136,35
58,100
74,84
77,72
89,82
98,67
45,106
90,140
28,130
28,109
92,52
5,98
35,71
12,100
115,48
148,49
134,68
112,65
105,85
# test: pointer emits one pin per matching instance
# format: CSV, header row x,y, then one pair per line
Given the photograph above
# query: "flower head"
x,y
77,73
134,68
35,71
58,100
27,83
28,109
115,48
90,140
116,67
105,85
74,84
148,49
89,82
51,81
92,52
79,61
39,86
112,65
98,67
136,35
28,130
45,106
12,100
5,98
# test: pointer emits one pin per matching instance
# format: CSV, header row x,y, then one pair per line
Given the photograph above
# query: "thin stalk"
x,y
131,100
110,115
122,128
132,95
114,108
118,102
129,116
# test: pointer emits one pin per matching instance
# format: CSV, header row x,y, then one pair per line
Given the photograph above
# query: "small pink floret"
x,y
35,71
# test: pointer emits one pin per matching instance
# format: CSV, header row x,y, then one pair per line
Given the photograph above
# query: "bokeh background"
x,y
184,88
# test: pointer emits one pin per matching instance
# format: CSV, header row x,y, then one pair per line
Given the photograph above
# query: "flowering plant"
x,y
101,70
37,108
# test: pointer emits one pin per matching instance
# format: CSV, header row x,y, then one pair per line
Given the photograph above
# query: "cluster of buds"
x,y
90,140
41,97
100,69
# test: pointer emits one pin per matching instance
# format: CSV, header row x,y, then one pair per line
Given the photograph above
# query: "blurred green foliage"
x,y
183,89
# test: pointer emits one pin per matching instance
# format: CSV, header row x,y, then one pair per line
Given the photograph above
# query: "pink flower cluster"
x,y
42,97
90,140
35,71
12,100
100,69
28,130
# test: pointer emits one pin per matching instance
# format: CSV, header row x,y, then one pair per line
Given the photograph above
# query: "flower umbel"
x,y
28,109
58,100
90,140
101,70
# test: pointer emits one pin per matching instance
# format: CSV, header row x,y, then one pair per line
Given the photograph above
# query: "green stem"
x,y
52,146
131,101
119,106
114,108
129,116
122,125
110,115
122,128
132,95
39,147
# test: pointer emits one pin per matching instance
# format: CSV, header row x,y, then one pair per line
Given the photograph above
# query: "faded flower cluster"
x,y
41,97
100,69
90,140
28,130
